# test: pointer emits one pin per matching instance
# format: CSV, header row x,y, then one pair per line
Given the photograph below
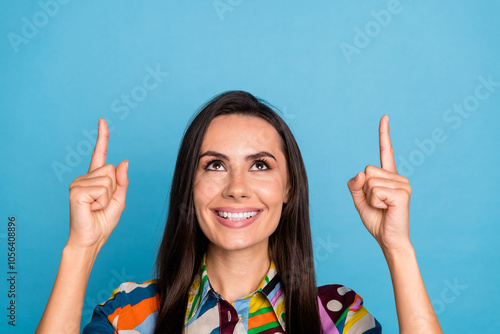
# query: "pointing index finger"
x,y
386,151
101,146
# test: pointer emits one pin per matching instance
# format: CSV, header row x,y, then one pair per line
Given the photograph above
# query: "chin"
x,y
239,245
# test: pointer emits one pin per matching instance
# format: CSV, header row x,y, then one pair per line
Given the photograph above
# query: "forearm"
x,y
414,308
64,308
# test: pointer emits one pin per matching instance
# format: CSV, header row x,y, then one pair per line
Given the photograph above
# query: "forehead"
x,y
250,133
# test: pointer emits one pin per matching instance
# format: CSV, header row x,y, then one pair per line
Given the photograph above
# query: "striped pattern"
x,y
133,308
254,313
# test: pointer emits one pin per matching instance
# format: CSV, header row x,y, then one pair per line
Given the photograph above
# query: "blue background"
x,y
332,69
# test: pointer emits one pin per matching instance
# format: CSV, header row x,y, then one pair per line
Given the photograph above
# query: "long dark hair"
x,y
183,244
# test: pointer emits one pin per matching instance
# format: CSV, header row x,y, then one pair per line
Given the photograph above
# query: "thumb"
x,y
355,186
121,187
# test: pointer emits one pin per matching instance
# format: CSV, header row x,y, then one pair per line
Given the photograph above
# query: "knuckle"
x,y
81,177
374,190
110,169
408,190
404,193
370,182
108,181
370,193
404,179
369,169
74,192
104,190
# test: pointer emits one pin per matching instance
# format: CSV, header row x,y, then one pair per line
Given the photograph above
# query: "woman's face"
x,y
241,182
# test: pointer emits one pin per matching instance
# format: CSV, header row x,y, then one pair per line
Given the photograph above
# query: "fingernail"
x,y
355,178
387,115
126,164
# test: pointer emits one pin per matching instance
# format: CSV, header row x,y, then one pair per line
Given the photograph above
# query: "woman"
x,y
236,254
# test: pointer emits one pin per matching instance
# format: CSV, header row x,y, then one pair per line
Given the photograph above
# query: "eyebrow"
x,y
249,157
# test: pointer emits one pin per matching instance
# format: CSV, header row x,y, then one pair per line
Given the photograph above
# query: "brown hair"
x,y
183,244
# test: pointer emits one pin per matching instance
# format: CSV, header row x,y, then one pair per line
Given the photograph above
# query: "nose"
x,y
237,186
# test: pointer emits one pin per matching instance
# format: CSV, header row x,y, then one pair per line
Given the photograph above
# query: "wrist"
x,y
84,244
85,254
402,253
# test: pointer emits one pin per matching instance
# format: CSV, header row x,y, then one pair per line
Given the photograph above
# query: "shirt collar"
x,y
270,287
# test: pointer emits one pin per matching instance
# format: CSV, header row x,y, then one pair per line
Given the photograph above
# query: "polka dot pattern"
x,y
334,305
342,290
336,299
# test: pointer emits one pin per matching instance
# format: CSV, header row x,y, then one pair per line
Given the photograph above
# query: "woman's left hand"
x,y
382,197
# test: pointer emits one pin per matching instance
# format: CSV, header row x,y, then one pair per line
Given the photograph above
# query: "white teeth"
x,y
236,216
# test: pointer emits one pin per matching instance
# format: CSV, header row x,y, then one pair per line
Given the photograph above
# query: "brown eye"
x,y
261,165
214,165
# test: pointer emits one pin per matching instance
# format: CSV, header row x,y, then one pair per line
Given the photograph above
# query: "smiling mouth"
x,y
237,216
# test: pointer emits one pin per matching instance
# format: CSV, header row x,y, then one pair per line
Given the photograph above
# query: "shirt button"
x,y
241,317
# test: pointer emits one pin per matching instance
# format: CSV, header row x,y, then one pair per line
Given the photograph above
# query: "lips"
x,y
236,217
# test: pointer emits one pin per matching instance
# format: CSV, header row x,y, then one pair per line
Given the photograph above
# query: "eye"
x,y
261,165
214,165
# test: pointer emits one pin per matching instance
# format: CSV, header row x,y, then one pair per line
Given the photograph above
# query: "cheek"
x,y
271,191
202,196
205,189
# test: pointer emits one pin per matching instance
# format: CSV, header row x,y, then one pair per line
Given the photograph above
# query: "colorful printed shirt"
x,y
133,308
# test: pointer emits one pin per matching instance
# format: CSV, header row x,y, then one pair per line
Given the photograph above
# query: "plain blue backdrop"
x,y
333,68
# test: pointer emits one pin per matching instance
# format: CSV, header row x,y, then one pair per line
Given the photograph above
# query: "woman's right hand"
x,y
97,198
96,201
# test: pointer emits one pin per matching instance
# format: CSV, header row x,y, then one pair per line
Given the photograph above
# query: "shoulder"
x,y
134,295
136,290
336,299
131,304
344,307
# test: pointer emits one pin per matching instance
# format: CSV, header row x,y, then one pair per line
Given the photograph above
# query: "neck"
x,y
234,274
